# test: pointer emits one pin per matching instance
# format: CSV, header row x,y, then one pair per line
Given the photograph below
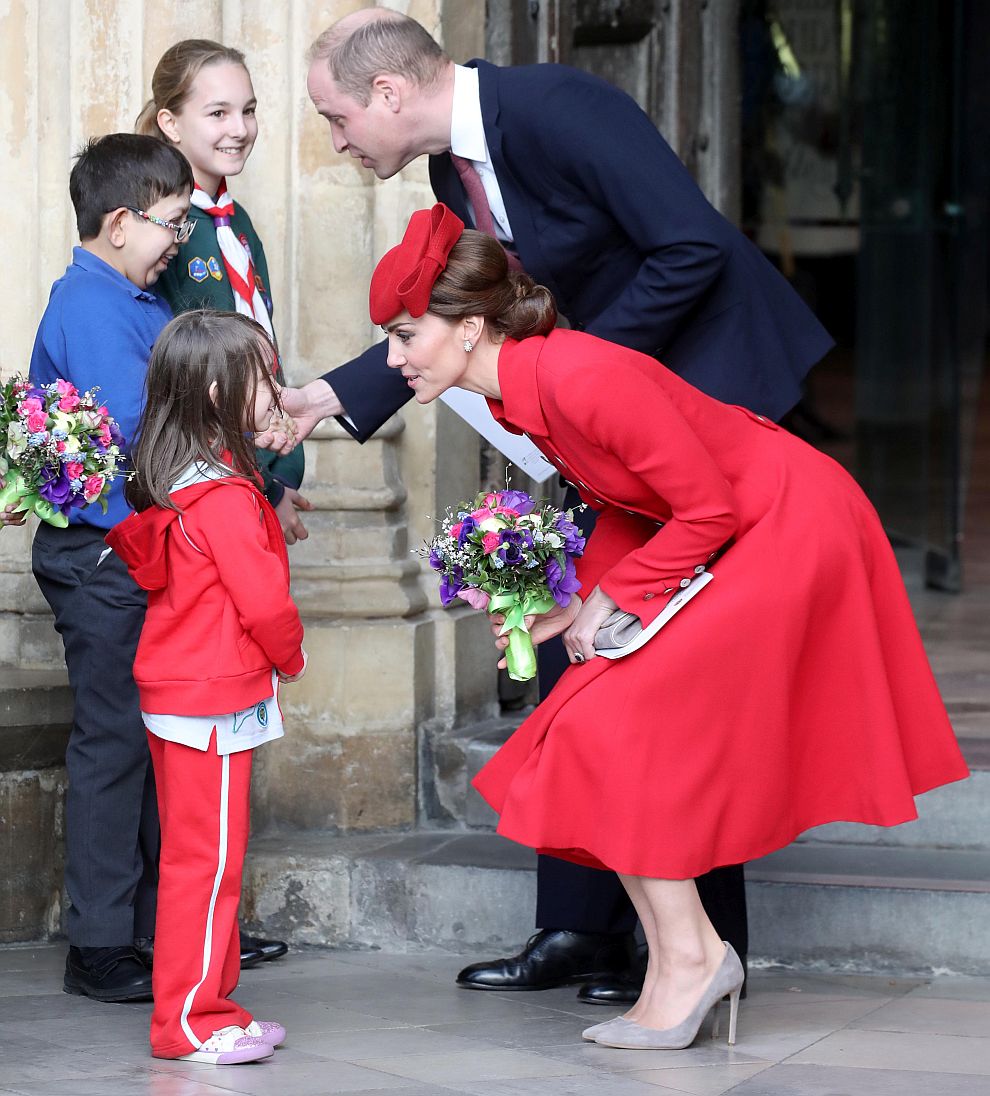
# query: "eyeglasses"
x,y
182,232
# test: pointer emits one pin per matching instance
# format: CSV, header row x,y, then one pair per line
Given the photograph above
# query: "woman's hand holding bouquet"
x,y
505,554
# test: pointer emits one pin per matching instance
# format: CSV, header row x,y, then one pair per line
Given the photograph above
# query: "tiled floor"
x,y
365,1022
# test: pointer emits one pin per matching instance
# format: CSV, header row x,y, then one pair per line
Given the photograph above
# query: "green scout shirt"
x,y
197,278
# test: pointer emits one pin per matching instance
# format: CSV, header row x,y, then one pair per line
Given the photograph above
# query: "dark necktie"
x,y
483,219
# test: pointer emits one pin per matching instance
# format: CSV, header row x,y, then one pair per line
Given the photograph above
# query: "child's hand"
x,y
292,526
287,679
10,515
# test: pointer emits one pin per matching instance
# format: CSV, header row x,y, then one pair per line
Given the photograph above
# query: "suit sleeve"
x,y
659,446
605,147
227,521
370,392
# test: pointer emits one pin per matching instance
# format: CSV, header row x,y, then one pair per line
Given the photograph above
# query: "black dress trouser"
x,y
580,899
112,837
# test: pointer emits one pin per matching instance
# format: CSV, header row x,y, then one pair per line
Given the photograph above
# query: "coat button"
x,y
685,582
700,569
649,597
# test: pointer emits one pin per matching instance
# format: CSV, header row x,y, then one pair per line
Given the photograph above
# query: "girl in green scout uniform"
x,y
204,104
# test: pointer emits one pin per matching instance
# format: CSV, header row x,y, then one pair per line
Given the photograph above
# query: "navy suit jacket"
x,y
605,215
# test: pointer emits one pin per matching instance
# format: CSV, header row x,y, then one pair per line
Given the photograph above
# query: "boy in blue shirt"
x,y
131,196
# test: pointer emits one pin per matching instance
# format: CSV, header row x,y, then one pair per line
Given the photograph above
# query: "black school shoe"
x,y
110,975
260,950
553,957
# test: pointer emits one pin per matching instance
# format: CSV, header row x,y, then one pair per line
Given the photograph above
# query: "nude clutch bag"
x,y
622,632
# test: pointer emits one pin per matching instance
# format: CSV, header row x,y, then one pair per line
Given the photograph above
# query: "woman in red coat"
x,y
791,692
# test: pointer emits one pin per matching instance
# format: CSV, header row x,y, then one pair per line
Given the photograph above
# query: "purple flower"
x,y
118,438
468,526
516,500
435,561
573,540
55,486
450,586
513,543
562,581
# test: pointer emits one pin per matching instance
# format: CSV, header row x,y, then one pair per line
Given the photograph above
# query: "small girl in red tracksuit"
x,y
221,631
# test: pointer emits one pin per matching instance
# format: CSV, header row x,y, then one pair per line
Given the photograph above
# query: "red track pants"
x,y
203,804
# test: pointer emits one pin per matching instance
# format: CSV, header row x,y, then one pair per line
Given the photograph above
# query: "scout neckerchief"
x,y
236,257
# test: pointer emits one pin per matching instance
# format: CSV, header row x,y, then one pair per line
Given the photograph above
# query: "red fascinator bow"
x,y
405,275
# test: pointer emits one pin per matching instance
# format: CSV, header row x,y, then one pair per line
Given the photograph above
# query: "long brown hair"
x,y
186,419
175,75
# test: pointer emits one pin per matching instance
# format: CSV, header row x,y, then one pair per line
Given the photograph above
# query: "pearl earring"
x,y
468,345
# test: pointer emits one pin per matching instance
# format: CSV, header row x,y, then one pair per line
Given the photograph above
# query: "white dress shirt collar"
x,y
467,131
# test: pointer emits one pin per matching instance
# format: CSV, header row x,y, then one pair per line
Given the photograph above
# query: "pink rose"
x,y
455,530
105,436
31,404
65,388
490,541
60,447
74,470
506,511
482,515
69,402
104,410
36,422
92,486
477,599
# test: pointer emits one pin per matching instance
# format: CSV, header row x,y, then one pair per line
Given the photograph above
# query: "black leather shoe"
x,y
107,974
624,988
553,957
256,949
145,948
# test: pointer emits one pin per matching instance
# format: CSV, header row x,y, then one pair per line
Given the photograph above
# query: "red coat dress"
x,y
792,691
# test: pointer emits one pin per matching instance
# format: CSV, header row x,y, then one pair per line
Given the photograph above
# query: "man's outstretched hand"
x,y
307,407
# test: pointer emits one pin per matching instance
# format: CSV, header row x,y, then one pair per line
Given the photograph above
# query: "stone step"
x,y
35,716
865,908
449,758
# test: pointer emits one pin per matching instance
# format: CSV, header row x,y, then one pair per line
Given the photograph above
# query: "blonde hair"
x,y
175,75
390,42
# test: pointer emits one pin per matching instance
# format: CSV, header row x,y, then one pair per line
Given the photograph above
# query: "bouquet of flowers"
x,y
59,449
505,553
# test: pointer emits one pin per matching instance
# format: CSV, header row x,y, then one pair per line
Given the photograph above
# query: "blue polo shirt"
x,y
98,329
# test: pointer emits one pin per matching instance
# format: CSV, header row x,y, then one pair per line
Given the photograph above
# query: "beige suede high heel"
x,y
727,981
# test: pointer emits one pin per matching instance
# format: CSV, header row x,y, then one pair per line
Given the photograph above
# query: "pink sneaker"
x,y
268,1031
230,1046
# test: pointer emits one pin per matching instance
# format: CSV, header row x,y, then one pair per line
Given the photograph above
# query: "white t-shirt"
x,y
236,731
243,730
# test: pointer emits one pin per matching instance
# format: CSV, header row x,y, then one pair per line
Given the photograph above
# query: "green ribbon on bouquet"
x,y
16,490
520,657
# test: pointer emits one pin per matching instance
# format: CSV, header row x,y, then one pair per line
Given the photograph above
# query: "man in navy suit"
x,y
575,180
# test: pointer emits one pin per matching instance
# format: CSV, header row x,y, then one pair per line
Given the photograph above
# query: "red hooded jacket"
x,y
219,611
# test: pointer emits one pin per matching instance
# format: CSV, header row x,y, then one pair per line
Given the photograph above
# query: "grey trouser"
x,y
112,839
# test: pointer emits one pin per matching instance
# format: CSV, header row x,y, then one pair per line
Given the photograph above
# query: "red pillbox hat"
x,y
405,275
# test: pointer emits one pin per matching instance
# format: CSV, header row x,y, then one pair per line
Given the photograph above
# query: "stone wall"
x,y
384,659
